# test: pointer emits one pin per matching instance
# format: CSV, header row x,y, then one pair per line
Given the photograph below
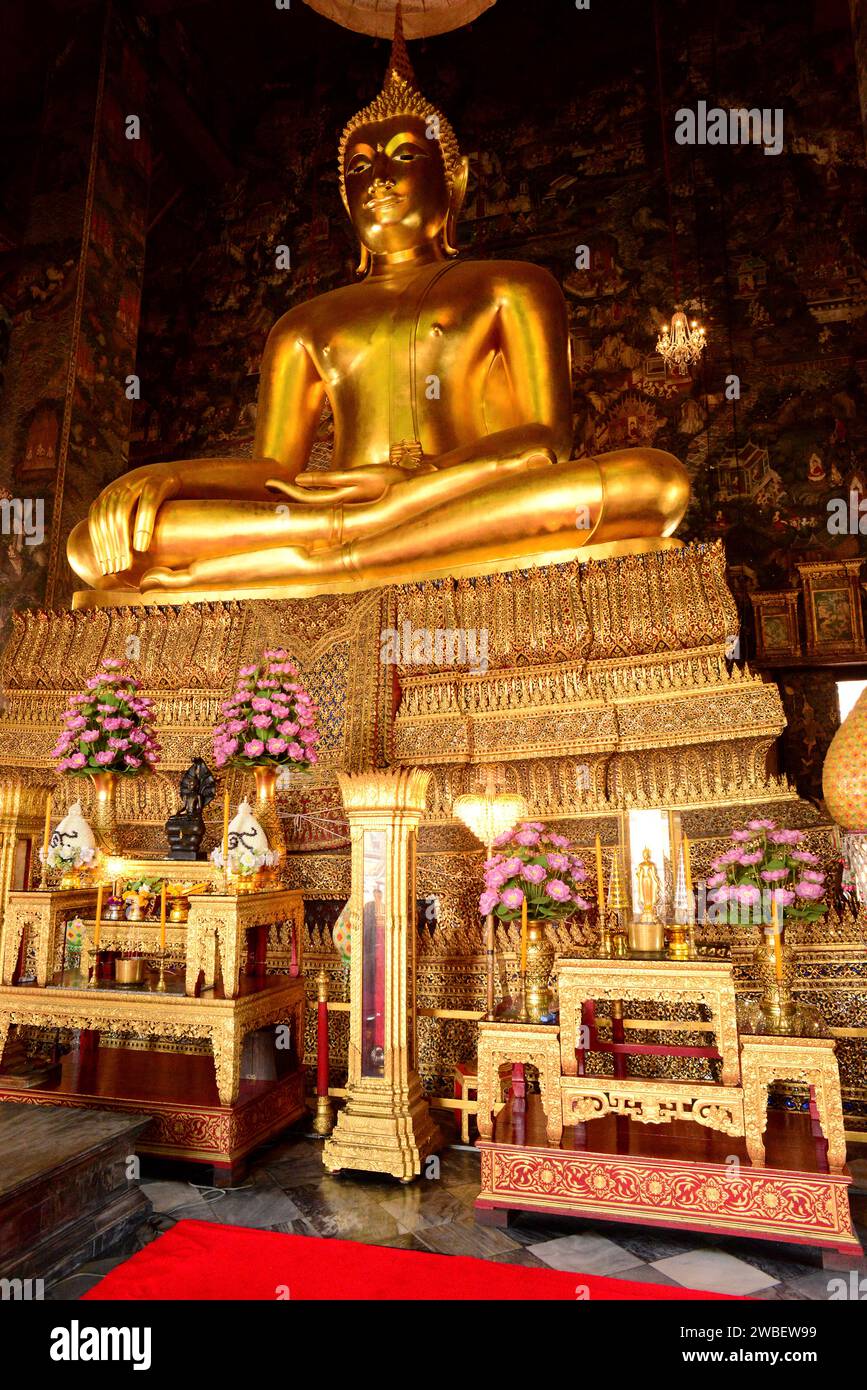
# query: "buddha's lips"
x,y
387,200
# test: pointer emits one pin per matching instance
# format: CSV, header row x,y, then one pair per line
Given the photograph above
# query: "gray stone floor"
x,y
288,1190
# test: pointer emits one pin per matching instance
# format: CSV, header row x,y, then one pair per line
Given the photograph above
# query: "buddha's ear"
x,y
364,263
459,192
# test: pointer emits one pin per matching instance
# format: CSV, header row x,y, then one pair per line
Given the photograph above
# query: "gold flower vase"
x,y
540,961
105,810
778,1010
265,809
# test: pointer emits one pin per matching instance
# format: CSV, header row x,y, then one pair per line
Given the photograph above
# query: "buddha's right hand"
x,y
128,507
366,484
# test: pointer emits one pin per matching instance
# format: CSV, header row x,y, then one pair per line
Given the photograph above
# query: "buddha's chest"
x,y
390,343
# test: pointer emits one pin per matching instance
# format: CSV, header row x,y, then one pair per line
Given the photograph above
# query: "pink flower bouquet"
x,y
763,864
270,721
109,728
533,863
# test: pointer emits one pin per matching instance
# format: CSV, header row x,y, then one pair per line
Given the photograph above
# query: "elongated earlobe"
x,y
456,202
364,263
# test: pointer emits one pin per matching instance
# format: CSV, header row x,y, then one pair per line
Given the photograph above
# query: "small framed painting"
x,y
776,620
832,606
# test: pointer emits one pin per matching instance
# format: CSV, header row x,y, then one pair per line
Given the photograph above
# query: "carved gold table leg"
x,y
485,1092
230,939
549,1086
194,958
226,1041
830,1106
46,928
755,1113
724,1019
15,924
570,1017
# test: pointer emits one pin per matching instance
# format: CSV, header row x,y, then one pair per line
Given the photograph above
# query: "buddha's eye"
x,y
359,165
408,154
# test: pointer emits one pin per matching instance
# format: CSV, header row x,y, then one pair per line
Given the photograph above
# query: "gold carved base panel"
x,y
382,1130
764,1203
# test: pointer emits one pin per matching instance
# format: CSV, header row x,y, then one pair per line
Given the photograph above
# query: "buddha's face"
x,y
396,184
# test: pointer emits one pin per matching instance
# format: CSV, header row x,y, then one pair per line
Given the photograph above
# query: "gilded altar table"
x,y
535,1044
37,916
218,921
224,1022
704,982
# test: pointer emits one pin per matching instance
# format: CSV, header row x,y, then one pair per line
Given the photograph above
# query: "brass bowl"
x,y
647,938
129,972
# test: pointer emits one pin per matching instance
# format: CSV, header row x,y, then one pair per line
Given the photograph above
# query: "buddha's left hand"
x,y
354,485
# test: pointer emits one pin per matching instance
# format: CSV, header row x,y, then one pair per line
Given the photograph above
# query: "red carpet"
x,y
202,1260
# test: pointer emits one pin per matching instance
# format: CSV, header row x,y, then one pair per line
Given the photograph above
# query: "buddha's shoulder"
x,y
304,318
506,280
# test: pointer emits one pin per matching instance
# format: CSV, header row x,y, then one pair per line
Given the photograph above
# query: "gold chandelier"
x,y
489,814
681,343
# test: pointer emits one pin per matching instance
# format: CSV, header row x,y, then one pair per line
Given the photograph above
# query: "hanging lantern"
x,y
681,343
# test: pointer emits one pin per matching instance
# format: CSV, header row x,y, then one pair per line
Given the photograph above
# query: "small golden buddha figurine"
x,y
449,383
647,879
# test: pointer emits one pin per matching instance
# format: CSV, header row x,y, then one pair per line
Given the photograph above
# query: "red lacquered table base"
x,y
677,1176
178,1094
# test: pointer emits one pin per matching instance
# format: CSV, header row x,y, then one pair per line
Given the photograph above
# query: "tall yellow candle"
x,y
778,950
524,936
99,893
225,830
687,864
47,834
163,919
600,882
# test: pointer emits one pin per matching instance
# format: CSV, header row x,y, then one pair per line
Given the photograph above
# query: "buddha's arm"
x,y
532,337
290,400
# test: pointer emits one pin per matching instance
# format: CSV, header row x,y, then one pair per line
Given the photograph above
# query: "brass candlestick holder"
x,y
161,982
523,1015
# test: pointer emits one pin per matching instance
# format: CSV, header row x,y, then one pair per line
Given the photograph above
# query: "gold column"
x,y
385,1126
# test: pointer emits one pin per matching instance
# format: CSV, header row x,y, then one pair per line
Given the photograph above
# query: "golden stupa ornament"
x,y
681,343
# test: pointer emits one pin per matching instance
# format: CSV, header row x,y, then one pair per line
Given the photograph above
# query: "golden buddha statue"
x,y
449,383
647,881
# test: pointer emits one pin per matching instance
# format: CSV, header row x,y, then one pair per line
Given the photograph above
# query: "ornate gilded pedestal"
x,y
535,1044
769,1058
385,1126
217,921
38,916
